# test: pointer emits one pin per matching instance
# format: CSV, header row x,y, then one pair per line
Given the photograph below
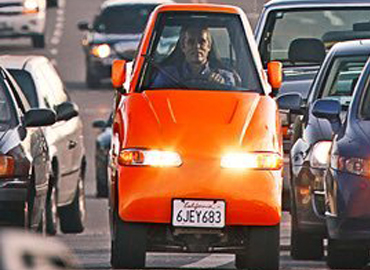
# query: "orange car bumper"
x,y
252,197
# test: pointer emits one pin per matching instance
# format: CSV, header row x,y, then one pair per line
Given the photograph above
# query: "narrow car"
x,y
23,18
24,157
43,88
196,157
114,34
336,79
347,178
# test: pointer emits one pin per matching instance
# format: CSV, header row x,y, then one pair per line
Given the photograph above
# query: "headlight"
x,y
320,154
30,6
353,165
6,166
154,158
101,51
259,161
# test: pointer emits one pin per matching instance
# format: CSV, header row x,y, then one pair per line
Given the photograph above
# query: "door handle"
x,y
72,144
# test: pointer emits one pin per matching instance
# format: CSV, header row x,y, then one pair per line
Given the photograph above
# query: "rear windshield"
x,y
200,51
327,25
25,81
125,19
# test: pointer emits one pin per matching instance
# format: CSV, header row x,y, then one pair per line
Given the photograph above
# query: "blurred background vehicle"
x,y
23,18
21,250
24,157
52,3
43,88
102,146
347,179
114,34
336,80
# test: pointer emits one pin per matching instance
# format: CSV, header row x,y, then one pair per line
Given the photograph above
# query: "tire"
x,y
101,188
261,250
38,41
52,218
128,244
343,256
72,217
92,81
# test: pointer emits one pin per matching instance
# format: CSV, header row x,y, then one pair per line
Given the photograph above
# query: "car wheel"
x,y
261,250
72,217
101,187
38,41
52,218
92,81
341,255
128,244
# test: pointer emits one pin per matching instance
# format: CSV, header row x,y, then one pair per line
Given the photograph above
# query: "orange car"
x,y
196,157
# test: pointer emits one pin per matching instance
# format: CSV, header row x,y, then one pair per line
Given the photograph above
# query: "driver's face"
x,y
196,46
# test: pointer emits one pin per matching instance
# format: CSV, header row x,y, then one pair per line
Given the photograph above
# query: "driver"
x,y
196,46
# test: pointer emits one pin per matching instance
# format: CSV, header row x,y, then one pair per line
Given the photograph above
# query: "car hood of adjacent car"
x,y
201,122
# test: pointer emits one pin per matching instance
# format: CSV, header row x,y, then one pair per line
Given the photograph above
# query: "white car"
x,y
43,88
23,18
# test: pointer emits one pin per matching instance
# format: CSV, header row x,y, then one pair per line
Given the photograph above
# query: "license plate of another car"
x,y
198,213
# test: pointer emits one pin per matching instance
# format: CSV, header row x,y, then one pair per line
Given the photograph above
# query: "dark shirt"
x,y
183,74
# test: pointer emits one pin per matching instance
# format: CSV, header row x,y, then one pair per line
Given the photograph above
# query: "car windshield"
x,y
123,19
200,51
342,78
328,25
25,81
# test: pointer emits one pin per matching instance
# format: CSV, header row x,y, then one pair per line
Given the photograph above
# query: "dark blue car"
x,y
347,185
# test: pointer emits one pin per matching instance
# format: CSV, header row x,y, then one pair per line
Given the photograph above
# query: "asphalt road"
x,y
63,46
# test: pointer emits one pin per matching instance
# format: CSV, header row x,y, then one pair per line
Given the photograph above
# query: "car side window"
x,y
7,110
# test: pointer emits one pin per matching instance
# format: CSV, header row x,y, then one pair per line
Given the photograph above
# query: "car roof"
x,y
318,3
110,3
200,8
353,47
21,61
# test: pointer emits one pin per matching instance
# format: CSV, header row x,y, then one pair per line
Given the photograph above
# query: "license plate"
x,y
198,213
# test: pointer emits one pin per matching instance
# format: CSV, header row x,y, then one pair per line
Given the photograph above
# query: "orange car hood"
x,y
201,123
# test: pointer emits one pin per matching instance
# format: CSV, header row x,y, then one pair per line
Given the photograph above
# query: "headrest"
x,y
306,50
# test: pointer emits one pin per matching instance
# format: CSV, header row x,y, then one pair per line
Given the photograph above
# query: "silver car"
x,y
43,88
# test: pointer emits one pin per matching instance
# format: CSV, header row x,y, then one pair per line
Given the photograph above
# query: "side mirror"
x,y
39,118
99,124
329,109
275,74
66,111
83,26
119,75
291,102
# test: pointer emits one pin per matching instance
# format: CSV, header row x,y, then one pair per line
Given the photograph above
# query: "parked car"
x,y
102,146
43,88
23,18
114,34
336,79
347,177
176,152
24,157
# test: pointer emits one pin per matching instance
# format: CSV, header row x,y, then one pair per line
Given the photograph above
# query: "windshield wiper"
x,y
164,72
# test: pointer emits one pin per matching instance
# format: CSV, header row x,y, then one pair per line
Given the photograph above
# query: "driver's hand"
x,y
216,77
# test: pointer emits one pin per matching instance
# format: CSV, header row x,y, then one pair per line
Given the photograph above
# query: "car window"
x,y
330,25
342,78
228,53
25,81
123,19
7,110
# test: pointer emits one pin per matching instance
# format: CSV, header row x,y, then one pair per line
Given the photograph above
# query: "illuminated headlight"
x,y
320,154
6,166
353,165
101,51
30,6
154,158
258,160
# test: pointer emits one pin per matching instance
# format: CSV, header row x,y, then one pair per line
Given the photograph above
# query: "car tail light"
x,y
257,160
6,166
352,165
154,158
30,6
